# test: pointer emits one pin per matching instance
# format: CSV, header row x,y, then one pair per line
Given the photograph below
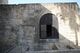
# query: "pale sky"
x,y
40,1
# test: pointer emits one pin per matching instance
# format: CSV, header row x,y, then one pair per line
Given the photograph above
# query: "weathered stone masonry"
x,y
19,26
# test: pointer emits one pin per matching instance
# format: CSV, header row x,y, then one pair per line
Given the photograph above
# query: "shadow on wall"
x,y
67,43
73,18
10,31
8,42
6,39
74,26
64,41
62,44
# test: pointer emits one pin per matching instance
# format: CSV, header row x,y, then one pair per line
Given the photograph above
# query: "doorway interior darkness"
x,y
45,29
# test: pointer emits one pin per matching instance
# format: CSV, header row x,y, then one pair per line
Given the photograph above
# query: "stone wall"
x,y
19,26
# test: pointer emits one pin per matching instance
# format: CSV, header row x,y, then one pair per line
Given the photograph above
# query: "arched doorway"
x,y
46,31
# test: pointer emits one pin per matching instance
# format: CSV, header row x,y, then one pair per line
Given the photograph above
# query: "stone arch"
x,y
48,29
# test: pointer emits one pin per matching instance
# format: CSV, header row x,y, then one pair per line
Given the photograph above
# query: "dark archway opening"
x,y
45,27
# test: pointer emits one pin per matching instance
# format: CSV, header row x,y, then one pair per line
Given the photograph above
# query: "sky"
x,y
41,1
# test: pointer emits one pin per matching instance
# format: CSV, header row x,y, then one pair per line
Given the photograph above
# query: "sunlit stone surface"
x,y
22,32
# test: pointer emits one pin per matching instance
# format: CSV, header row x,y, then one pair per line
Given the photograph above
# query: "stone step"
x,y
60,46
